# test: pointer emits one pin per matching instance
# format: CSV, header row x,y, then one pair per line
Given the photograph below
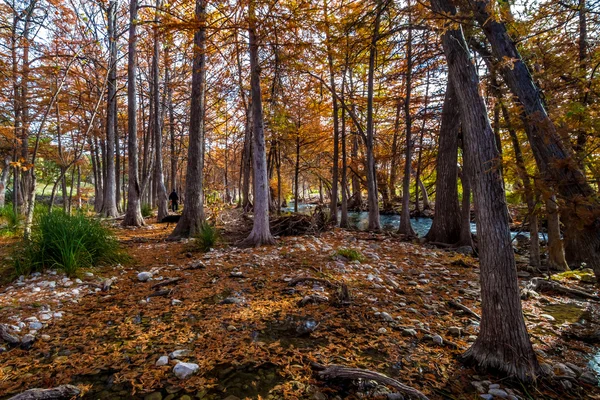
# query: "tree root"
x,y
57,393
542,285
338,371
464,308
166,282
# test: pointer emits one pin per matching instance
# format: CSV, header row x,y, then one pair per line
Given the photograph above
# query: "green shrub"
x,y
67,242
350,254
146,210
11,221
206,237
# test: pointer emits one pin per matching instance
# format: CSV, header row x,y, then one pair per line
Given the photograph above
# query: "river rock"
x,y
144,276
478,386
455,331
386,317
498,393
154,396
180,353
162,360
184,370
437,339
36,326
409,332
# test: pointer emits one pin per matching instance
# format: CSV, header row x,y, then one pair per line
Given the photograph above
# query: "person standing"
x,y
174,198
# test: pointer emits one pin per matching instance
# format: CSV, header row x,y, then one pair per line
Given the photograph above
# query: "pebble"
x,y
478,386
386,317
409,332
494,386
437,339
455,331
144,276
382,330
162,360
486,396
180,353
45,337
176,302
45,317
58,314
36,289
498,393
89,274
548,317
184,370
231,328
35,326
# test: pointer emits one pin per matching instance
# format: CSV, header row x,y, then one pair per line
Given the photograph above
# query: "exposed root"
x,y
542,285
521,369
464,308
166,282
338,371
57,393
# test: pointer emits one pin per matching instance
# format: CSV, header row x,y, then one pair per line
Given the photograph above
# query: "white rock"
x,y
176,302
35,326
382,330
547,316
58,314
78,281
89,274
45,337
36,289
75,292
180,353
184,370
144,276
163,360
45,317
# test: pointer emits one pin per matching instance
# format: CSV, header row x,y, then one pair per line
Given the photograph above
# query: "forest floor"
x,y
236,316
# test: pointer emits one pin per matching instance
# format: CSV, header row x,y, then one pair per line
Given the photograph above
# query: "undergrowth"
x,y
67,242
146,210
11,220
350,254
206,237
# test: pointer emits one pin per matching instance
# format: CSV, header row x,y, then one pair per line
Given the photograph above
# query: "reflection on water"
x,y
360,220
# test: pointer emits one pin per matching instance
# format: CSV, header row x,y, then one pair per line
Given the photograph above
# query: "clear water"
x,y
360,220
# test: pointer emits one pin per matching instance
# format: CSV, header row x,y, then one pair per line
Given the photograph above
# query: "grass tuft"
x,y
147,210
207,237
350,254
67,242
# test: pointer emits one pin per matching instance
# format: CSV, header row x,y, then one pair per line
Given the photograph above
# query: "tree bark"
x,y
133,215
556,252
405,225
372,194
109,203
557,165
446,224
260,233
192,217
503,342
159,182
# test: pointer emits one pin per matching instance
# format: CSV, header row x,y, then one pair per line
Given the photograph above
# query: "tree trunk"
x,y
159,183
405,225
297,168
503,342
344,213
192,217
556,252
260,233
133,215
333,206
558,167
372,194
446,224
4,180
109,204
534,239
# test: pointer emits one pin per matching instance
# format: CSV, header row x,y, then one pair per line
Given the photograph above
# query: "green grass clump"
x,y
67,242
146,210
206,237
11,220
350,254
